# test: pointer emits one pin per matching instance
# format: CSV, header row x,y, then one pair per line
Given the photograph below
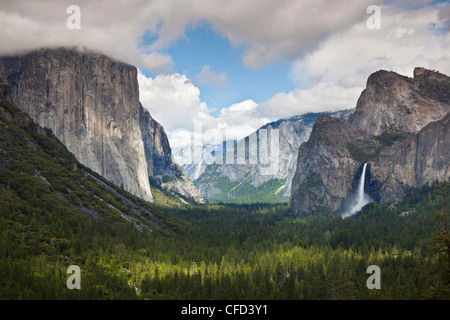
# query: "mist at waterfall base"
x,y
359,199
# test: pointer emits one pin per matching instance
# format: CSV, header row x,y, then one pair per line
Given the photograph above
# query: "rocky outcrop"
x,y
400,127
39,172
91,103
326,165
160,164
421,159
394,102
5,94
229,179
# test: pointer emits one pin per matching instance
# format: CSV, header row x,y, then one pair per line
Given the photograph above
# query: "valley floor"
x,y
247,251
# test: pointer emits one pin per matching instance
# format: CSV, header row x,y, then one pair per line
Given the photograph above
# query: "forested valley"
x,y
56,213
227,251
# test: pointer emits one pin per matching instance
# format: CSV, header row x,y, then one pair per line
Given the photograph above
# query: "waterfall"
x,y
361,198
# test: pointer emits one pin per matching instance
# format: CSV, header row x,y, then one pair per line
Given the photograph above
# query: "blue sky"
x,y
203,46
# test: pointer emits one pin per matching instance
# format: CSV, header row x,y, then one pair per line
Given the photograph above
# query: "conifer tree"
x,y
440,251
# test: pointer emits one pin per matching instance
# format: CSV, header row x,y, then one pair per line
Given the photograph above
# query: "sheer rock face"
x,y
5,94
160,164
329,162
91,103
157,148
421,159
291,133
325,168
394,102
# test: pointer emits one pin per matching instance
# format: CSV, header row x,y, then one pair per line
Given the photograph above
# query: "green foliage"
x,y
54,214
436,89
387,138
440,252
243,191
247,251
363,151
270,191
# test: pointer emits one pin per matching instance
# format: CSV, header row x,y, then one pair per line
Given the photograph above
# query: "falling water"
x,y
361,198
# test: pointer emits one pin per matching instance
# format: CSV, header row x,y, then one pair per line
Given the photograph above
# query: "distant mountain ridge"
x,y
225,181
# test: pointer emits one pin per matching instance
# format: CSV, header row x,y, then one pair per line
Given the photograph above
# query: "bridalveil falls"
x,y
360,199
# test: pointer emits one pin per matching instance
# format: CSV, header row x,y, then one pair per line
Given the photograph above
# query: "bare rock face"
x,y
91,103
5,94
400,127
326,167
291,133
421,159
394,102
160,164
157,148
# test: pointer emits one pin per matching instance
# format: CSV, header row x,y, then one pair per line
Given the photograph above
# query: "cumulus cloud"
x,y
282,29
174,101
332,50
407,39
211,78
337,70
322,97
114,28
268,29
241,119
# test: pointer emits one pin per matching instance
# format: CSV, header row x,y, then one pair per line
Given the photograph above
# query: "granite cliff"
x,y
394,102
91,104
399,127
326,165
39,176
418,160
260,180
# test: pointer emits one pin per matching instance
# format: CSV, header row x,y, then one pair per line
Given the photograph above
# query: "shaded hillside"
x,y
39,175
91,103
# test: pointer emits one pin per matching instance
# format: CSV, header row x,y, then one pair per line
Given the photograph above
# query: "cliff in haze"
x,y
399,127
264,179
91,103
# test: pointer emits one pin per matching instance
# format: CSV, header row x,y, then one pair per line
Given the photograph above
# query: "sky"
x,y
236,65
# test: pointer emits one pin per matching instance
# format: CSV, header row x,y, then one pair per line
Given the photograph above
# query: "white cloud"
x,y
337,70
332,76
174,101
332,50
211,78
269,29
281,29
322,97
241,119
405,40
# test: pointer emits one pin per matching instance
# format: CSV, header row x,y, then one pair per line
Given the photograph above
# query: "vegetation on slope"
x,y
55,213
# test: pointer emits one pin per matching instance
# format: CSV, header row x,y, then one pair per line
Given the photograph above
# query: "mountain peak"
x,y
399,127
422,73
391,101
